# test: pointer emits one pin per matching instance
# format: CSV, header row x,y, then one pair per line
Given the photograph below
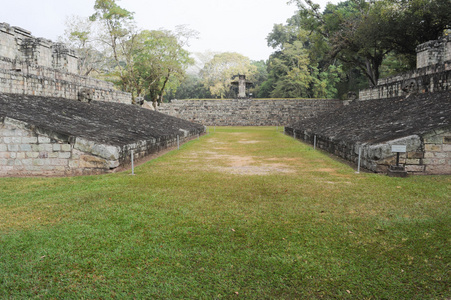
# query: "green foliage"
x,y
299,69
243,213
362,33
159,62
217,73
191,88
144,63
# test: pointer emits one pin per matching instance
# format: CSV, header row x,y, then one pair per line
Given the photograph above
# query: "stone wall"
x,y
27,150
434,78
36,66
248,112
18,77
18,44
434,52
433,73
421,122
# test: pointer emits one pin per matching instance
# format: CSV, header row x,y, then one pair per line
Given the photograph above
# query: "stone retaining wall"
x,y
420,122
248,112
433,73
27,150
18,77
434,78
37,66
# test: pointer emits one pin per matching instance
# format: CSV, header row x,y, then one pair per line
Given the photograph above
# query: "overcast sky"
x,y
224,25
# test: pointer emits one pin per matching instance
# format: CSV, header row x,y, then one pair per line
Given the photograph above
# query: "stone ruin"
x,y
411,109
241,84
433,73
44,132
37,66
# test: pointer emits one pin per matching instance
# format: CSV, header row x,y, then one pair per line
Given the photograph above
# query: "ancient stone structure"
x,y
37,66
433,73
411,110
241,84
61,137
248,112
422,122
45,131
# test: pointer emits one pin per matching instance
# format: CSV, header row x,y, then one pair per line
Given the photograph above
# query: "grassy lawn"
x,y
241,213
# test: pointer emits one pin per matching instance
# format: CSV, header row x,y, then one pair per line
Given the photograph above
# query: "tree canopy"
x,y
142,62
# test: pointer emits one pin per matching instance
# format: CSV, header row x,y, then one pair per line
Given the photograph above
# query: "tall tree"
x,y
120,38
363,33
217,73
159,62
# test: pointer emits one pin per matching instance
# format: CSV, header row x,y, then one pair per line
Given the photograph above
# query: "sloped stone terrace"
x,y
377,122
109,123
106,132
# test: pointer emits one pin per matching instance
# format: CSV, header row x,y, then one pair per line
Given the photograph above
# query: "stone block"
x,y
415,155
415,169
59,162
5,155
13,148
432,147
39,162
64,155
25,147
66,147
27,162
56,147
446,147
32,154
45,147
433,161
441,154
413,161
20,155
88,161
73,164
438,169
3,148
433,139
43,140
16,140
30,140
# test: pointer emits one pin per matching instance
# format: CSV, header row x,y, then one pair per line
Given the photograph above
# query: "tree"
x,y
159,62
217,73
120,38
80,35
363,33
293,74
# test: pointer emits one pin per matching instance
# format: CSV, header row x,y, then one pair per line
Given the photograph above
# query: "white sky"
x,y
217,21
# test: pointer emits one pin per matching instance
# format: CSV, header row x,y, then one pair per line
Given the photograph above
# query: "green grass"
x,y
243,213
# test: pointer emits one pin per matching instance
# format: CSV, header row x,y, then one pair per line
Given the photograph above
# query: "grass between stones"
x,y
242,213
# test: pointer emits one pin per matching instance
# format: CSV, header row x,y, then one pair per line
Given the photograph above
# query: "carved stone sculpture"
x,y
410,86
85,95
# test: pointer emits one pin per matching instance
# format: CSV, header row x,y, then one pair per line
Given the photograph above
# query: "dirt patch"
x,y
238,164
254,170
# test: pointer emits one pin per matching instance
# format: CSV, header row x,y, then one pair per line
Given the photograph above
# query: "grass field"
x,y
245,213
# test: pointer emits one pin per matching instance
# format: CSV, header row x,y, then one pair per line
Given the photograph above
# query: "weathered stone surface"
x,y
248,112
37,66
53,136
421,122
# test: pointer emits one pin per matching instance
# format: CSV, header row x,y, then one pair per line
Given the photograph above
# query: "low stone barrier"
x,y
248,112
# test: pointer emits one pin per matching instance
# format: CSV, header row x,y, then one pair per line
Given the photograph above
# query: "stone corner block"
x,y
107,152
